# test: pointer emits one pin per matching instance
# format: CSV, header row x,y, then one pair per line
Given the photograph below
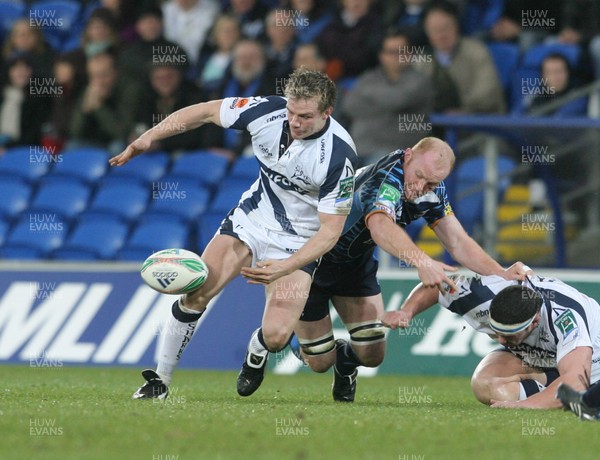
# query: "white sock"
x,y
256,348
175,336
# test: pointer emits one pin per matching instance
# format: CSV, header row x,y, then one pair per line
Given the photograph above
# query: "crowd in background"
x,y
132,63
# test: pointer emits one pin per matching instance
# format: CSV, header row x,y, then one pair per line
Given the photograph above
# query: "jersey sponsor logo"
x,y
283,182
241,102
275,117
567,324
322,154
266,152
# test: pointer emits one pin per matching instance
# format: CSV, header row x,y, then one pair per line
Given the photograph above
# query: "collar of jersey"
x,y
319,133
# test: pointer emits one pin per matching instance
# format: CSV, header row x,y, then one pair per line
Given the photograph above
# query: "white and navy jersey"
x,y
380,188
298,177
569,318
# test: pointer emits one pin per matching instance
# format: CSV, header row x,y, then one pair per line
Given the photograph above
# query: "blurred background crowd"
x,y
121,66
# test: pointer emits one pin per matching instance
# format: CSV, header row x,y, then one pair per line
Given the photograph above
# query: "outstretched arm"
x,y
182,120
467,252
420,299
395,241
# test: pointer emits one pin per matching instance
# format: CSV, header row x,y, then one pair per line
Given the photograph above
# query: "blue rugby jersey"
x,y
380,188
297,178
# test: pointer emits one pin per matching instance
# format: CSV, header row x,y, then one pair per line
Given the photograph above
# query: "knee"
x,y
486,388
370,355
276,339
321,364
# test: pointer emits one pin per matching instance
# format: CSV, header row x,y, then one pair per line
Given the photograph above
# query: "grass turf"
x,y
72,413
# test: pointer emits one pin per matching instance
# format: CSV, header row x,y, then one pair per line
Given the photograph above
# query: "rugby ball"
x,y
174,271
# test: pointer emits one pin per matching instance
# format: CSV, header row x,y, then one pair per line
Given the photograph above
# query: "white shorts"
x,y
263,243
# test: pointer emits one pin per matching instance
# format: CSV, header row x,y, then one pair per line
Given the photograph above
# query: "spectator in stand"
x,y
308,55
466,60
388,106
168,92
351,41
100,34
123,12
25,39
188,22
518,23
105,113
251,14
311,17
407,16
280,43
217,54
557,82
71,81
247,77
151,48
22,111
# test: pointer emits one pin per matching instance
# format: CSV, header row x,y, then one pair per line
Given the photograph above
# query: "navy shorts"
x,y
357,278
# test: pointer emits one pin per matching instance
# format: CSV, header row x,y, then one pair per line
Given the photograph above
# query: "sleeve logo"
x,y
388,193
241,103
566,323
346,189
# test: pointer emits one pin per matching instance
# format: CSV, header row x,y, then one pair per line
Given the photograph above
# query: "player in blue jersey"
x,y
401,187
550,334
289,218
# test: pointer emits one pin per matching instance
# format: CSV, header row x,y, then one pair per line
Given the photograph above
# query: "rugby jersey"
x,y
380,188
298,177
569,318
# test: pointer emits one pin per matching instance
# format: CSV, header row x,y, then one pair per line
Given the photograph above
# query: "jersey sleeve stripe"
x,y
248,116
479,294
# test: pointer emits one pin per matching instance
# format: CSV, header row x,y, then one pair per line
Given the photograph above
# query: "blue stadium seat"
x,y
145,168
26,163
124,201
207,167
480,15
3,231
506,59
533,57
55,17
14,198
10,11
469,209
93,240
67,198
85,164
149,237
228,195
186,203
208,224
34,237
245,168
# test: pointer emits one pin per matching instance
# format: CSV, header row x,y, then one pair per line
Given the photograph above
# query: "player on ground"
x,y
550,334
399,188
290,216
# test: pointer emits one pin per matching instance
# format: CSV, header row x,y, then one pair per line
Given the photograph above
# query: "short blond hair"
x,y
306,84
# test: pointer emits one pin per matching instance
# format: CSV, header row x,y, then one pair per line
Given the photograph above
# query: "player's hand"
x,y
517,271
505,404
396,319
265,272
432,274
137,147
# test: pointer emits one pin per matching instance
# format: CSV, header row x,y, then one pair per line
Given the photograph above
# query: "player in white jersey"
x,y
550,330
289,218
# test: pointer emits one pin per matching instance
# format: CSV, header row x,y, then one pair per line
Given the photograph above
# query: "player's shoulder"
x,y
342,143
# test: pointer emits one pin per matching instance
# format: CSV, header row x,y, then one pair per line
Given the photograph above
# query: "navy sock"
x,y
346,360
530,386
592,396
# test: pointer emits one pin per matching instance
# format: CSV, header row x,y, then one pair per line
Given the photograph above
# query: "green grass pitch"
x,y
86,413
